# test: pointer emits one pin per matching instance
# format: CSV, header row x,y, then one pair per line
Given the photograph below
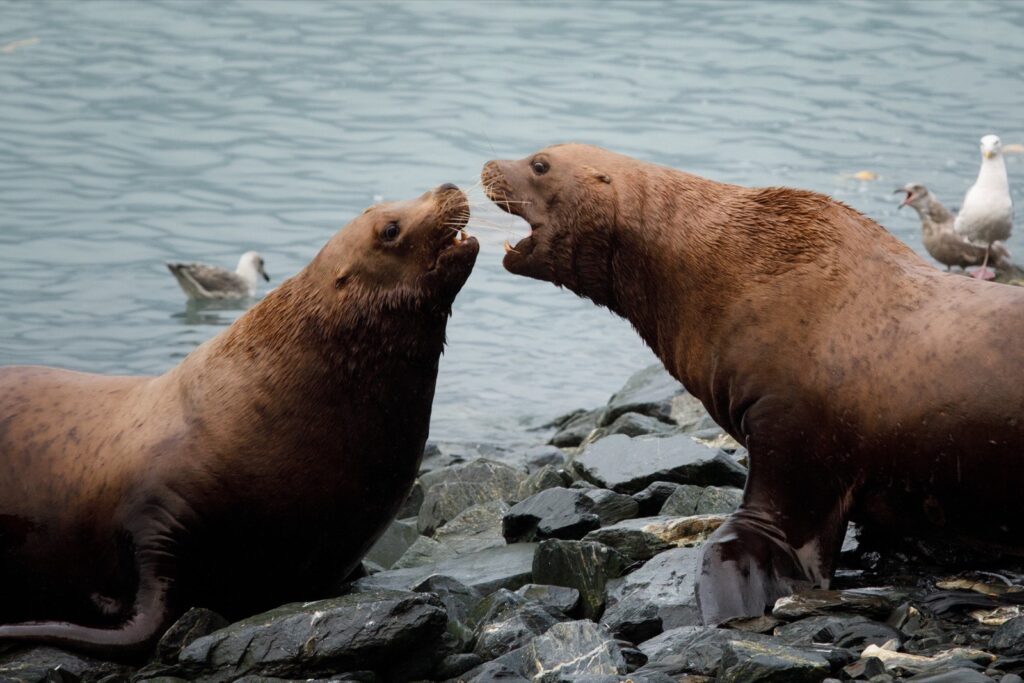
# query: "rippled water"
x,y
132,134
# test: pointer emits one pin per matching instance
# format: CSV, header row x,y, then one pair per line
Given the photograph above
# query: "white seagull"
x,y
200,281
987,212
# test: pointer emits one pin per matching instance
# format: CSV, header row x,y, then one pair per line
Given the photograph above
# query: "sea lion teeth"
x,y
508,247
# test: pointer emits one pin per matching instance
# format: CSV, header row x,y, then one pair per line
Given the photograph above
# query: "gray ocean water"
x,y
136,133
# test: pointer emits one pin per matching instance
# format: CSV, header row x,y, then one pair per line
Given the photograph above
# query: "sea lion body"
x,y
256,472
865,384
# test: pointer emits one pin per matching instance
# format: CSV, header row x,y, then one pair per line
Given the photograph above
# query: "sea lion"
x,y
256,472
866,384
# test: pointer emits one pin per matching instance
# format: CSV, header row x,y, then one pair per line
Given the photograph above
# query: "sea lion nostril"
x,y
448,187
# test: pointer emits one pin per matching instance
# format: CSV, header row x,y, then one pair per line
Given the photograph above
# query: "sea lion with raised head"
x,y
866,384
256,472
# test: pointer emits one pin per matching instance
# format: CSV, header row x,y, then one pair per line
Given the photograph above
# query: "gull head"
x,y
991,146
250,266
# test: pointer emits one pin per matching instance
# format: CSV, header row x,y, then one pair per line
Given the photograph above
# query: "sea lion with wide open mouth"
x,y
256,472
866,384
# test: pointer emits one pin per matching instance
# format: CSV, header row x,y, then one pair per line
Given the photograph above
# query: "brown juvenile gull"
x,y
987,211
940,239
201,281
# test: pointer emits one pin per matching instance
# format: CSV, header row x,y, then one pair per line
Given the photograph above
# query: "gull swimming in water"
x,y
940,239
200,281
987,211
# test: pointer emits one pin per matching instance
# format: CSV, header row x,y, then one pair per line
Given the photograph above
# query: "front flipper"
x,y
150,617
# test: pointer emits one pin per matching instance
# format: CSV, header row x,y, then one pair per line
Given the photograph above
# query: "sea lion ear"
x,y
603,177
340,280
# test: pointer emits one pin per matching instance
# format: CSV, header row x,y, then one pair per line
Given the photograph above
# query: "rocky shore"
x,y
574,561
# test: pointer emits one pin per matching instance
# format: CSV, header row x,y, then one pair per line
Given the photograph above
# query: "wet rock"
x,y
511,627
360,632
508,566
561,599
585,566
573,432
474,529
867,668
423,551
492,672
573,650
746,662
648,392
877,603
958,675
195,623
458,600
455,665
632,424
611,507
1008,639
643,538
395,540
652,498
50,665
451,490
413,502
690,500
903,663
629,464
554,513
658,596
852,632
547,477
445,456
761,624
541,456
692,649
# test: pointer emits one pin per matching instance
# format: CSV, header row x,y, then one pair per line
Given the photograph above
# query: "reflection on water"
x,y
136,133
212,312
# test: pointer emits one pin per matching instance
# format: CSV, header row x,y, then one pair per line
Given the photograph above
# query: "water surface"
x,y
136,133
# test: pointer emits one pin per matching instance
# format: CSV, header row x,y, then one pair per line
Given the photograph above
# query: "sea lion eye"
x,y
539,166
390,231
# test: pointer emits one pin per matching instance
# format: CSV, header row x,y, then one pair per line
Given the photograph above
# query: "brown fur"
x,y
865,383
256,472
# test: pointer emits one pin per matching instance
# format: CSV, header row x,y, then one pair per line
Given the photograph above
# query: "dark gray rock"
x,y
423,551
547,477
745,662
568,651
508,566
510,627
852,632
630,539
648,392
395,540
876,603
44,663
632,424
585,566
413,502
474,529
553,513
958,675
692,649
653,498
1008,639
573,432
629,464
455,665
195,623
656,597
702,500
561,599
451,490
541,456
446,455
866,668
459,600
611,507
359,632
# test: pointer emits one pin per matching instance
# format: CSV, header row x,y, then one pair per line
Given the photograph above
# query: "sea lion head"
x,y
404,255
571,196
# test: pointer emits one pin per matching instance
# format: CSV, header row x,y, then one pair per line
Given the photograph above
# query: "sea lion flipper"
x,y
148,621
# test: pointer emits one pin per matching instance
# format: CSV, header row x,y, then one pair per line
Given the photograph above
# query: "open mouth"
x,y
455,242
510,206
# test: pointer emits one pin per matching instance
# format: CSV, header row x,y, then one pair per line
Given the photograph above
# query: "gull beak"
x,y
989,154
906,200
264,274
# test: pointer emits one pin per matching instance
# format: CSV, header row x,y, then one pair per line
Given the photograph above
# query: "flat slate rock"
x,y
450,490
643,538
877,603
653,498
654,598
692,649
632,424
359,632
1008,639
702,500
746,662
474,529
511,628
611,507
508,566
648,392
629,464
395,540
45,663
575,430
552,513
562,599
583,565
